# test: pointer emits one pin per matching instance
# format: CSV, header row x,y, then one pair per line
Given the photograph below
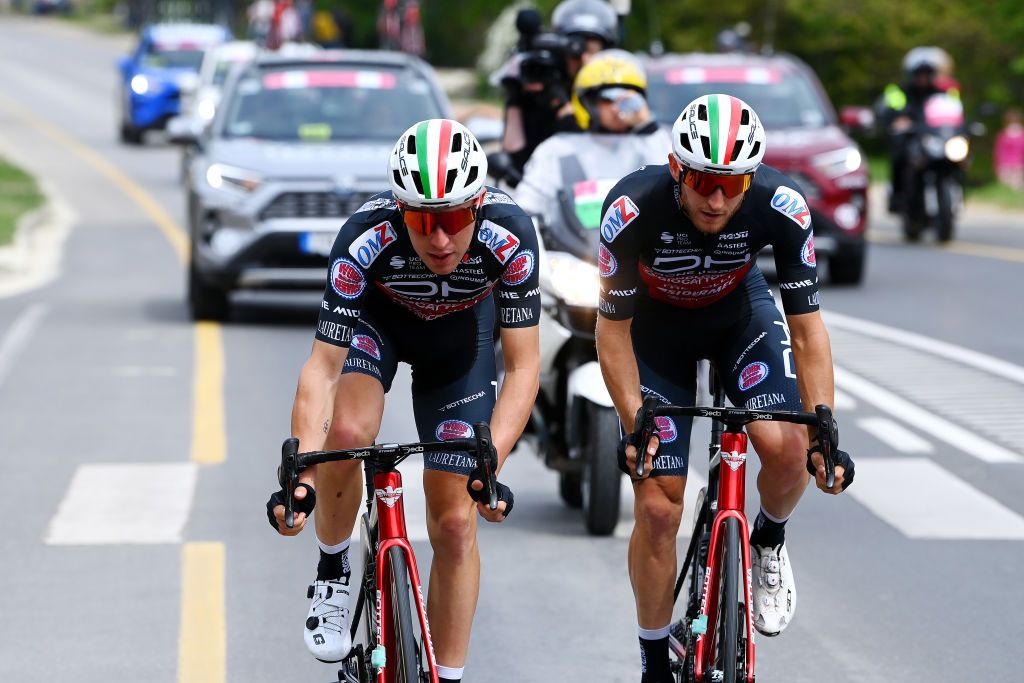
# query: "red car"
x,y
805,140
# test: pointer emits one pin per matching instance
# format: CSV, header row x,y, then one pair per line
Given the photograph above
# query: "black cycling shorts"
x,y
744,335
454,375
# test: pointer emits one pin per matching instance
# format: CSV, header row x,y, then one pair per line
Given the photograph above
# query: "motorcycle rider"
x,y
620,134
926,72
537,82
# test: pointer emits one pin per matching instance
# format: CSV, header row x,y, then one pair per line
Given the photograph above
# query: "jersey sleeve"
x,y
518,288
345,290
793,248
618,254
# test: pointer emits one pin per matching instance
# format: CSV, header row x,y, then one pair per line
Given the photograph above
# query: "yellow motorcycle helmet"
x,y
606,69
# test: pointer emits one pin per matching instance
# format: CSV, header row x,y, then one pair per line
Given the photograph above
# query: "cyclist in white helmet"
x,y
679,283
418,274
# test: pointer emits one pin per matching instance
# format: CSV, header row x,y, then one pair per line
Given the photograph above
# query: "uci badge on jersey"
x,y
500,241
621,213
346,278
368,246
791,204
519,269
454,429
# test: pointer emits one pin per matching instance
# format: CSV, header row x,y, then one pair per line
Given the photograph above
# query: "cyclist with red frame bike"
x,y
679,283
414,277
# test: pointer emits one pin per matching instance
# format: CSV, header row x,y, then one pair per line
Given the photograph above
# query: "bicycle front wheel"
x,y
406,651
727,636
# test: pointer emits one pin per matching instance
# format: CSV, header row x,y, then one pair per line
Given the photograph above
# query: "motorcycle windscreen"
x,y
943,110
588,196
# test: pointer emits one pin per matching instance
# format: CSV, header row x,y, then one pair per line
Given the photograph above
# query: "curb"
x,y
33,257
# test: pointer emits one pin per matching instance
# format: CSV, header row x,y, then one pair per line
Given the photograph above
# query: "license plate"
x,y
317,243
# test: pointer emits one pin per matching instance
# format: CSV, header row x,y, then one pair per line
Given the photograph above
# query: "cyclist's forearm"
x,y
313,409
813,356
618,366
513,407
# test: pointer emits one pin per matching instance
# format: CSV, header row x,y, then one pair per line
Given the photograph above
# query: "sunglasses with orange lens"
x,y
451,221
705,184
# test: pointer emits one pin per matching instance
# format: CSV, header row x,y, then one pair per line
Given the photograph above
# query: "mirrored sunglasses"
x,y
705,184
452,221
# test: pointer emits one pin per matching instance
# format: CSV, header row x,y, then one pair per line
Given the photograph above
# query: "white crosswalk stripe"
x,y
895,435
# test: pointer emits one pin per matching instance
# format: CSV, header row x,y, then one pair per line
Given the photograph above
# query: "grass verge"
x,y
997,194
19,194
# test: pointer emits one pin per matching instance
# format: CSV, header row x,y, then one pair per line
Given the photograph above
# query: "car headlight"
x,y
574,281
224,177
205,109
140,84
838,162
957,148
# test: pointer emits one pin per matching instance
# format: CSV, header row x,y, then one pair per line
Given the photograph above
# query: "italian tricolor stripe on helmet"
x,y
433,142
724,121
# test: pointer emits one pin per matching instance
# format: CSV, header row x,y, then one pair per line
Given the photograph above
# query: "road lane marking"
x,y
137,503
209,439
991,251
922,500
895,435
17,337
202,641
960,354
936,426
844,401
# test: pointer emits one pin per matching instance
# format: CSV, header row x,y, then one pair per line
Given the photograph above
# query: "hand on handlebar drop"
x,y
305,501
627,456
506,499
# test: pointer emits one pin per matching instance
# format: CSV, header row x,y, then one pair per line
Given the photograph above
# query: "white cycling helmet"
x,y
437,163
719,134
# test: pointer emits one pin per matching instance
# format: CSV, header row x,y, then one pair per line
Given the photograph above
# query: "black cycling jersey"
x,y
373,250
651,249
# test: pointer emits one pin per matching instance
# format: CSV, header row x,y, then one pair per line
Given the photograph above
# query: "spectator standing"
x,y
1008,156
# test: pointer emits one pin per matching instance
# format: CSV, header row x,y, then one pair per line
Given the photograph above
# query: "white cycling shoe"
x,y
774,589
327,631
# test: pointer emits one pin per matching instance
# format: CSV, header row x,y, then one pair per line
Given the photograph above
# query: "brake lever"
x,y
828,439
646,427
288,477
487,457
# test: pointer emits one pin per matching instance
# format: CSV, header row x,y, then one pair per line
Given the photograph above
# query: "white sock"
x,y
334,549
450,672
653,633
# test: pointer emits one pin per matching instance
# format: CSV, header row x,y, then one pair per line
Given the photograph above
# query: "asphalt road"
x,y
137,450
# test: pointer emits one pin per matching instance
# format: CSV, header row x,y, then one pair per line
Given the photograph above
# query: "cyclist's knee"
x,y
782,449
352,433
658,517
453,531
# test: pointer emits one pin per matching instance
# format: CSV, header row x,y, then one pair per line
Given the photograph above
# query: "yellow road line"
x,y
209,442
201,647
957,246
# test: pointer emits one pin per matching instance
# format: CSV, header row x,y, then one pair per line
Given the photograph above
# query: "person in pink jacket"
x,y
1008,158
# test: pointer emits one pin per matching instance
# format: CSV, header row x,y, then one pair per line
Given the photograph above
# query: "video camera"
x,y
543,54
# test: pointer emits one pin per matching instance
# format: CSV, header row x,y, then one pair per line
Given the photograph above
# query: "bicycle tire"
x,y
728,623
406,648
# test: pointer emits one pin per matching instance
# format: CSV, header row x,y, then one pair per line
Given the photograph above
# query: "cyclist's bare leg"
x,y
658,508
455,571
782,448
358,408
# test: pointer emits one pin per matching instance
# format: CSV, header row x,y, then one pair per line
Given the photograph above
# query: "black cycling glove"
x,y
842,458
278,498
628,439
504,493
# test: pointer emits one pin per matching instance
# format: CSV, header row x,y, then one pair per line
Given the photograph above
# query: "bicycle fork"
x,y
731,498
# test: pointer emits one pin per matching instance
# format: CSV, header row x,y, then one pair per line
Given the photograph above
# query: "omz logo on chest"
x,y
368,246
789,202
499,240
621,213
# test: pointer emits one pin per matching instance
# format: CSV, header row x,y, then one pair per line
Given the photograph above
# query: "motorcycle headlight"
x,y
957,148
140,84
224,177
838,162
573,280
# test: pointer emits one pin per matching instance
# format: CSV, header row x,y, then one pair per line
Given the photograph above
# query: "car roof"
x,y
362,57
731,60
184,31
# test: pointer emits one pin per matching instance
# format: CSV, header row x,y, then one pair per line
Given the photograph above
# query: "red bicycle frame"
x,y
391,532
732,488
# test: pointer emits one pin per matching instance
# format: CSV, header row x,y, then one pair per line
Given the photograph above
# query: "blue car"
x,y
153,76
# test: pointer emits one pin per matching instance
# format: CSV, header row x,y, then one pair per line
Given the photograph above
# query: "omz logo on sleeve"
x,y
752,375
367,345
368,246
807,252
499,240
454,429
346,278
621,213
519,269
606,261
789,202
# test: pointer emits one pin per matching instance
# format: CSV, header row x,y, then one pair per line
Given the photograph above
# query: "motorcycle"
x,y
937,159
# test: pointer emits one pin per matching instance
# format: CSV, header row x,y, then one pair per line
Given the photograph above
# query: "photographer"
x,y
538,79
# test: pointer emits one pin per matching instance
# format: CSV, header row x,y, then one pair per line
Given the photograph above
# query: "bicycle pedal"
x,y
699,626
378,658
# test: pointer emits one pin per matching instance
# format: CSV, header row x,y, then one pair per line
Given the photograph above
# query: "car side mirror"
x,y
123,64
500,167
857,119
185,130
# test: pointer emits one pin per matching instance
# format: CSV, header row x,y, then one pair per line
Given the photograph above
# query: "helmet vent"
x,y
705,142
476,148
684,140
410,144
754,150
449,181
456,142
736,150
745,117
417,181
474,171
398,179
702,113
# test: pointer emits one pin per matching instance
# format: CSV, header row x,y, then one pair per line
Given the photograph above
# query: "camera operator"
x,y
538,79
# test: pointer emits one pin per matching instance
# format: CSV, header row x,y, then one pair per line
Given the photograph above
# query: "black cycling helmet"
x,y
591,18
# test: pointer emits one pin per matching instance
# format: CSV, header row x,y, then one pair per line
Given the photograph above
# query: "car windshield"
x,y
328,103
781,100
172,58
